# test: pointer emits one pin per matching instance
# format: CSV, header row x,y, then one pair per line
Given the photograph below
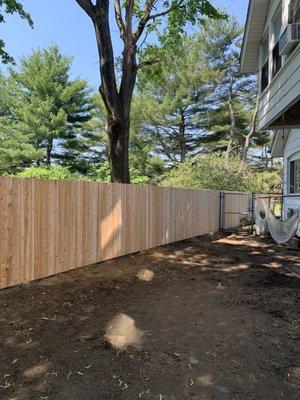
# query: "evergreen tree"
x,y
16,148
227,111
89,147
135,20
170,91
47,108
143,160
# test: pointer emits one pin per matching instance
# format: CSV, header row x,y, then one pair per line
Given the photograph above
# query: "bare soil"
x,y
219,320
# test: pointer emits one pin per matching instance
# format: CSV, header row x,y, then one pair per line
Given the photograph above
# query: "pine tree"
x,y
170,92
46,107
227,113
16,148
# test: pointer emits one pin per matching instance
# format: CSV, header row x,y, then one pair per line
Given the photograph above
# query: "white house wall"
x,y
282,91
284,88
292,147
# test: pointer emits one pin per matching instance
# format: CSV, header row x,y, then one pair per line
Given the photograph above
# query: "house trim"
x,y
278,142
255,25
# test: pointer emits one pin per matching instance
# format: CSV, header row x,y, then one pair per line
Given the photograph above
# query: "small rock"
x,y
145,275
193,360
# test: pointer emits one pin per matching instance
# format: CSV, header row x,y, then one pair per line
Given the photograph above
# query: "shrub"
x,y
48,172
212,172
102,174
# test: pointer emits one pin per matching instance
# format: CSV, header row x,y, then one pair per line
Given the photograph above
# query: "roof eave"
x,y
256,17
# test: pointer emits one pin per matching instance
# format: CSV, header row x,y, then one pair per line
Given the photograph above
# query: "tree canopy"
x,y
44,108
135,21
11,7
192,118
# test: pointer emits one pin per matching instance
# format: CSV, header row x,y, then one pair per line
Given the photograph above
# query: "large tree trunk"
x,y
118,133
117,102
183,149
117,98
49,151
231,140
250,134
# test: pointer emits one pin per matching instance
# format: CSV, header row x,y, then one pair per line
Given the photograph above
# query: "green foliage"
x,y
89,145
11,7
222,43
16,147
142,147
170,94
181,109
204,172
185,96
47,172
102,174
45,110
211,172
270,180
172,16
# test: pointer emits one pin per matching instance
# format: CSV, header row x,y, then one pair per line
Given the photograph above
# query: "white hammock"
x,y
281,231
261,224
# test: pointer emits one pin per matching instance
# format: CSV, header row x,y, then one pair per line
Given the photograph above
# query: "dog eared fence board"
x,y
47,227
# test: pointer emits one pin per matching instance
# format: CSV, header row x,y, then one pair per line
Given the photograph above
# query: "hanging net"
x,y
281,231
261,224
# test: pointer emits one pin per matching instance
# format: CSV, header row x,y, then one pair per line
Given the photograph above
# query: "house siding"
x,y
284,88
291,148
282,91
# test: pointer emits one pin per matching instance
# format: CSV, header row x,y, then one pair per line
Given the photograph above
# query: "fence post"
x,y
252,212
221,212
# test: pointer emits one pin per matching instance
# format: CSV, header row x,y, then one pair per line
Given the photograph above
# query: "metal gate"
x,y
236,211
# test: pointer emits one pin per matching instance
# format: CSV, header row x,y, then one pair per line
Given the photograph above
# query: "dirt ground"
x,y
217,321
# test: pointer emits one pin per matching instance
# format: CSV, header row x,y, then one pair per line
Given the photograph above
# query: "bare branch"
x,y
118,17
146,63
164,145
148,17
144,19
87,6
128,15
161,14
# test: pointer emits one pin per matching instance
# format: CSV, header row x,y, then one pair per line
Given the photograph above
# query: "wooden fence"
x,y
47,227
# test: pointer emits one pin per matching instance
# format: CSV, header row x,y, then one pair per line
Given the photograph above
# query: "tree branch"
x,y
162,14
128,15
144,19
148,17
87,6
118,17
146,63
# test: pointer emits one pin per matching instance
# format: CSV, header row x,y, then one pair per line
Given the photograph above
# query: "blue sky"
x,y
64,23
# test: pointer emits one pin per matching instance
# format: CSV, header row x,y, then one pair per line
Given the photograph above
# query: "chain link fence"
x,y
236,211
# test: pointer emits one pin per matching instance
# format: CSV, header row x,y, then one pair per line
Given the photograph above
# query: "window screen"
x,y
295,176
294,11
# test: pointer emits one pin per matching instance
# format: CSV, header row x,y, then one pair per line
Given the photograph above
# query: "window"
x,y
264,62
277,29
276,60
295,176
265,76
294,11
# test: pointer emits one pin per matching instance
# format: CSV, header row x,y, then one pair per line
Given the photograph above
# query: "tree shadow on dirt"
x,y
219,320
